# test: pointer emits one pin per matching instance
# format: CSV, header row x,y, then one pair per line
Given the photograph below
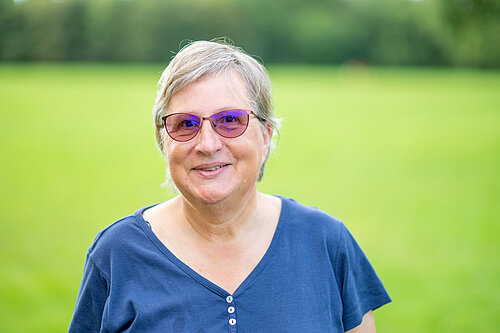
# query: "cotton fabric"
x,y
313,278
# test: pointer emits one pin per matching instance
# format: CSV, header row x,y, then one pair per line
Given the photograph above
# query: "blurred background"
x,y
383,32
391,122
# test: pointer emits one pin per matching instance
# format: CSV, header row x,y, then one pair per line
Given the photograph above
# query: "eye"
x,y
230,118
187,123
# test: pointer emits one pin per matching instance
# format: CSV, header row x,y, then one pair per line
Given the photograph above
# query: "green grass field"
x,y
409,159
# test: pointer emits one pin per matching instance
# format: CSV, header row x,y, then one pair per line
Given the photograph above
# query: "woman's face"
x,y
210,168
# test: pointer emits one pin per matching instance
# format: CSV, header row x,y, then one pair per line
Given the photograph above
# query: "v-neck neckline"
x,y
200,278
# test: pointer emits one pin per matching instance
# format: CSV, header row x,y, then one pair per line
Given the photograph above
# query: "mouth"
x,y
212,170
211,167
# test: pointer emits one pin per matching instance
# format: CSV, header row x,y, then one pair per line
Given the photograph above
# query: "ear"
x,y
266,135
165,146
164,151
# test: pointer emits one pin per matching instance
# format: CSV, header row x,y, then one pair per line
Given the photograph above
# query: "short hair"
x,y
201,58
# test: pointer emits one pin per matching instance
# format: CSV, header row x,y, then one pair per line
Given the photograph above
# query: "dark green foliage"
x,y
391,32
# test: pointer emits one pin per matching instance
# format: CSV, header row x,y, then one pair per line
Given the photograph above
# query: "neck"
x,y
221,222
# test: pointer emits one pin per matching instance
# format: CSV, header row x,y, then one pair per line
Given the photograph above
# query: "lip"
x,y
200,169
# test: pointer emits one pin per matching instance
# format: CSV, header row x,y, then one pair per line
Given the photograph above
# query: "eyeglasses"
x,y
183,127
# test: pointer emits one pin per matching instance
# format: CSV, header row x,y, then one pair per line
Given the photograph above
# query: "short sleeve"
x,y
91,299
361,288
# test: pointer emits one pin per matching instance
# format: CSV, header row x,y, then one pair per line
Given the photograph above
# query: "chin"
x,y
209,194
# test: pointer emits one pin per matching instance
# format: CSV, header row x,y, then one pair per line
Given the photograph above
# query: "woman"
x,y
222,257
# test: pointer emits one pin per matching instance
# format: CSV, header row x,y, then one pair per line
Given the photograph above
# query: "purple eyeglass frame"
x,y
248,112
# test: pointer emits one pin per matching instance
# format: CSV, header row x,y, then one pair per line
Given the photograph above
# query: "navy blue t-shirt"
x,y
313,278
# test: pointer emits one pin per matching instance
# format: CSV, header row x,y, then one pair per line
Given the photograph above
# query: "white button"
x,y
230,309
232,321
229,299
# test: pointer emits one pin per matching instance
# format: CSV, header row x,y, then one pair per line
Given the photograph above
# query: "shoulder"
x,y
312,222
309,216
118,239
113,235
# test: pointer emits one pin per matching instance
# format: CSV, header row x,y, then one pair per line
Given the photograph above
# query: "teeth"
x,y
214,168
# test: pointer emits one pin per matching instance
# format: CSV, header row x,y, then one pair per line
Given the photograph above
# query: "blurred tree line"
x,y
390,32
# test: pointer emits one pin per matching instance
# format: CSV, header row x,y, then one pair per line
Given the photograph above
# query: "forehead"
x,y
211,93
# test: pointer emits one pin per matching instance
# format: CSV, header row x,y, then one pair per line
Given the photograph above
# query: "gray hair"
x,y
202,58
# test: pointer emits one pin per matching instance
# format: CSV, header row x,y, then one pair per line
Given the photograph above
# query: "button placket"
x,y
231,311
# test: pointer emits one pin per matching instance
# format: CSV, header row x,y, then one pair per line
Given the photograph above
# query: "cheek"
x,y
254,153
174,156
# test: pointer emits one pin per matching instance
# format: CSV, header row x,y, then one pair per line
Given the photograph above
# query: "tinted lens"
x,y
182,126
230,123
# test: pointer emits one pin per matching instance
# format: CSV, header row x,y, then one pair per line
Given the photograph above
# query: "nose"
x,y
208,142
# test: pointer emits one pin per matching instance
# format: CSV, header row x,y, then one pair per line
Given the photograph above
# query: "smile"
x,y
214,168
210,168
